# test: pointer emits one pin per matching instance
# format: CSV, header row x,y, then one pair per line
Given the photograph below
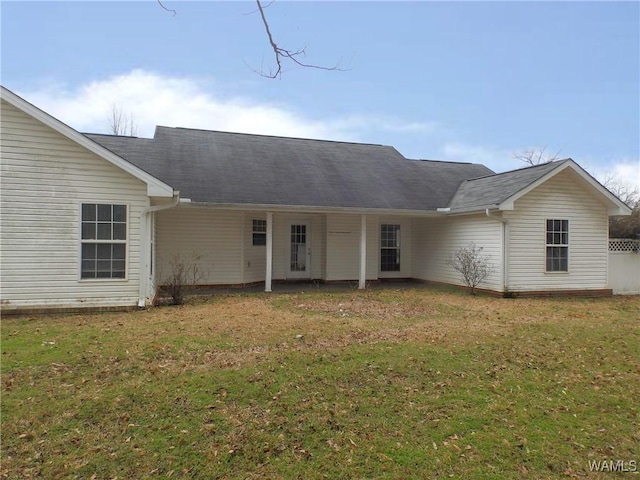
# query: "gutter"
x,y
467,210
490,215
145,264
260,207
505,269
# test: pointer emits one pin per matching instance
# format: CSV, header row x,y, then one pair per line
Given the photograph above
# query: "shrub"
x,y
472,265
184,273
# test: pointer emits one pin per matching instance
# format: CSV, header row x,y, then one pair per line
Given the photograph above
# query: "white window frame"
x,y
95,241
397,247
259,231
556,238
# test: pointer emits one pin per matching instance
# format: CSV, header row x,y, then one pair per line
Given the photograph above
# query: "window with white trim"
x,y
389,248
557,245
259,232
104,241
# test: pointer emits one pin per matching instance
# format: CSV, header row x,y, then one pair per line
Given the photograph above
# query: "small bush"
x,y
472,265
184,274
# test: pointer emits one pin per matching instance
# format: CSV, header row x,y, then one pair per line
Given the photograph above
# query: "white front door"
x,y
299,261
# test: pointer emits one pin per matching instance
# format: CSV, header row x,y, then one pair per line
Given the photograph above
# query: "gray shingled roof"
x,y
232,168
493,189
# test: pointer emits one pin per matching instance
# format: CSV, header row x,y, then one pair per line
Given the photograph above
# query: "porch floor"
x,y
302,286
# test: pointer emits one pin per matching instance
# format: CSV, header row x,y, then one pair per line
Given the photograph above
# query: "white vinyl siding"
x,y
45,177
565,196
255,256
211,238
343,247
436,239
222,243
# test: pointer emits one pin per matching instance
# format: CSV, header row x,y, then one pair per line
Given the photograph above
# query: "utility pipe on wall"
x,y
145,242
362,281
505,269
269,252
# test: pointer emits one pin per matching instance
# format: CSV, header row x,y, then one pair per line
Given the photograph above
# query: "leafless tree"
x,y
624,226
536,156
120,123
280,53
625,191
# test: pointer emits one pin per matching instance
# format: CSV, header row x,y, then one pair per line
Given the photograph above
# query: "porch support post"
x,y
267,278
363,253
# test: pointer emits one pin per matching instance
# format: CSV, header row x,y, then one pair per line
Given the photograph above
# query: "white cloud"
x,y
153,99
384,123
628,170
624,171
621,171
497,159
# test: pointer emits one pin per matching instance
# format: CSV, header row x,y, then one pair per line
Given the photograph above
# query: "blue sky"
x,y
468,81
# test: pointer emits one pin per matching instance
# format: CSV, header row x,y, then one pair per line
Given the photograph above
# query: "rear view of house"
x,y
97,220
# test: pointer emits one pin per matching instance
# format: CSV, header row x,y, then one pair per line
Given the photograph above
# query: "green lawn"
x,y
417,383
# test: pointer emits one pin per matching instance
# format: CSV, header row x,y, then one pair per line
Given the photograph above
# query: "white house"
x,y
95,220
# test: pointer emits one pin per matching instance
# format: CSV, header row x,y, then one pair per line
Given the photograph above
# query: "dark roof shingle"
x,y
232,168
493,189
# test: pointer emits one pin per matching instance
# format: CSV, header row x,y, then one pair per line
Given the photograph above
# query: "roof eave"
x,y
260,207
155,187
467,210
615,205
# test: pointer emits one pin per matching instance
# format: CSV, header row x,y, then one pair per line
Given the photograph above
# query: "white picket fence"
x,y
624,266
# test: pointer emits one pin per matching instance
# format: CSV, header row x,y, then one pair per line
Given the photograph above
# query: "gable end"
x,y
155,187
615,206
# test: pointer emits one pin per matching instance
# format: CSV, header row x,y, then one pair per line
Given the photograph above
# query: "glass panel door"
x,y
298,248
299,251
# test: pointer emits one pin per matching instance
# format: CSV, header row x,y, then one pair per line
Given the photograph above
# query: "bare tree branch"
x,y
627,226
281,53
620,226
119,124
628,193
171,10
535,157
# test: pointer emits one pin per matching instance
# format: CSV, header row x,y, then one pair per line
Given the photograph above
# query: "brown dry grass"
x,y
232,330
382,383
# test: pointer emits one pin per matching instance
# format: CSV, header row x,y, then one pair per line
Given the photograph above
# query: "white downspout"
x,y
505,266
269,252
362,279
145,255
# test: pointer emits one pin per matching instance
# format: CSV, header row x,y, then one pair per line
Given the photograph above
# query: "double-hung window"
x,y
389,248
104,241
557,245
259,232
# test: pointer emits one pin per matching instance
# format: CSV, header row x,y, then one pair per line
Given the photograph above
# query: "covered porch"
x,y
237,248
